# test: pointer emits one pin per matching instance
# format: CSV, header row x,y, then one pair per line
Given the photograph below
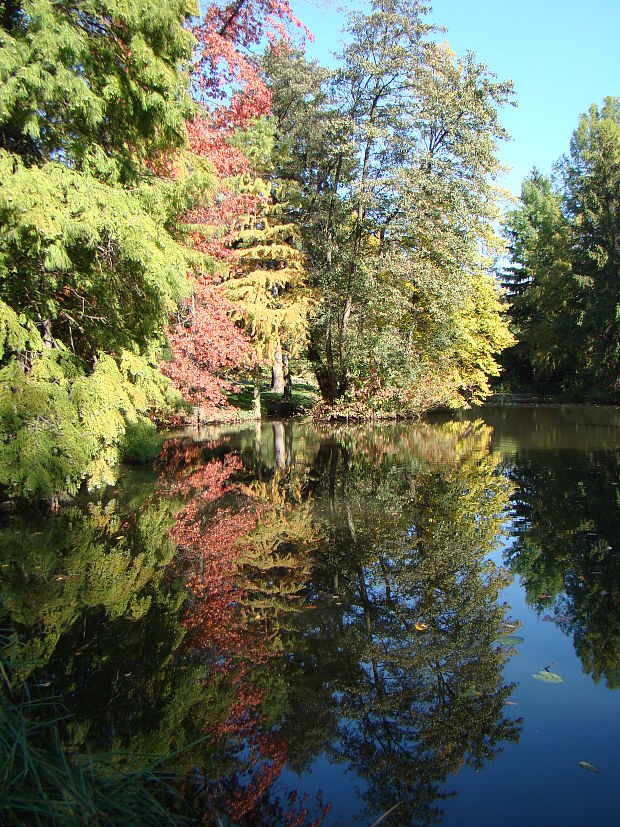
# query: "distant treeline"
x,y
563,282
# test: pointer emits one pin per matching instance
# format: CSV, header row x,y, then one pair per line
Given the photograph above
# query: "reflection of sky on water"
x,y
410,505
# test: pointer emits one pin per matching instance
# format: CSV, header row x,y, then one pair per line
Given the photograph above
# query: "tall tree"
x,y
424,130
267,279
89,270
540,287
591,175
565,249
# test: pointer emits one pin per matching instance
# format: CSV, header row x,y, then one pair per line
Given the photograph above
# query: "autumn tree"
x,y
206,337
268,279
409,201
89,267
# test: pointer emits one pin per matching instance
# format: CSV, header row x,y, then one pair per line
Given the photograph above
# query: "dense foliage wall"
x,y
176,212
564,240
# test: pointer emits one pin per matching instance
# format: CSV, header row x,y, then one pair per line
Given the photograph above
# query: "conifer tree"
x,y
564,244
268,278
88,267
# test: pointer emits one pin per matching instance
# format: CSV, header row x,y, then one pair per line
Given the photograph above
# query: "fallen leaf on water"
x,y
470,693
510,640
587,766
547,677
421,627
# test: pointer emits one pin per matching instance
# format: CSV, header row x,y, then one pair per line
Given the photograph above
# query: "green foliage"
x,y
141,442
565,261
395,157
48,780
95,83
91,95
268,281
566,534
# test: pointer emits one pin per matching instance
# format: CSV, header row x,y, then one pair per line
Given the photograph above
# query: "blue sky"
x,y
562,55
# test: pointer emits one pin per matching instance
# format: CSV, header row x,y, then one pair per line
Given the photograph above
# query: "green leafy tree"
x,y
563,276
411,201
591,177
91,95
540,288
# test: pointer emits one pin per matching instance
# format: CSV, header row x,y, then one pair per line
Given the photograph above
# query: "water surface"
x,y
352,617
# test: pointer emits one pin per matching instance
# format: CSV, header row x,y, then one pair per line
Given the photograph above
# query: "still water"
x,y
420,619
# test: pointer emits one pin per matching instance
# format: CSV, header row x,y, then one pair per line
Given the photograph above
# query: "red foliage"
x,y
227,81
210,532
205,342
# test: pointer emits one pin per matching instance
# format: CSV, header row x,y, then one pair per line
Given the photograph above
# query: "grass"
x,y
45,780
304,396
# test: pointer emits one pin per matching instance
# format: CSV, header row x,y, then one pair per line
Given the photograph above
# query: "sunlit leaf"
x,y
547,677
510,640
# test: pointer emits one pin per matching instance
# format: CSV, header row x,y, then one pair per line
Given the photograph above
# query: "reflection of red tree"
x,y
210,532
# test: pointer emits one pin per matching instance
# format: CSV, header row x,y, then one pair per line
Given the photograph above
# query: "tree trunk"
x,y
277,371
288,379
256,396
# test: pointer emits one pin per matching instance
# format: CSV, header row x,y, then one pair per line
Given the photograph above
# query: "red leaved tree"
x,y
205,342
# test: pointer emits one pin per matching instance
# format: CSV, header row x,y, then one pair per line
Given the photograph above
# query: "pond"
x,y
419,620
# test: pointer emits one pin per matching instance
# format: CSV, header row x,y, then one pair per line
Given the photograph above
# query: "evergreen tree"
x,y
268,279
563,278
539,284
91,95
591,177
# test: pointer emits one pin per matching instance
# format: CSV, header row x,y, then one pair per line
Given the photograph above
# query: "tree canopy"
x,y
177,210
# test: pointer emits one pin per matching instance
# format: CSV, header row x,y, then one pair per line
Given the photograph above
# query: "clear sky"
x,y
562,55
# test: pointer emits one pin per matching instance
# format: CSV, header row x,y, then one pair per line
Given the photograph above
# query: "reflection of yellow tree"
x,y
100,558
405,649
276,563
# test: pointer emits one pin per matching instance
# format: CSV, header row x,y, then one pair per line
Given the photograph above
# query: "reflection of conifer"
x,y
276,563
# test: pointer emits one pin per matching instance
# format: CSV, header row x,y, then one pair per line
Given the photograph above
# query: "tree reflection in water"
x,y
567,536
328,594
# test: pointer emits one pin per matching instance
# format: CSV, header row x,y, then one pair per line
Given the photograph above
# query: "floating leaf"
x,y
547,677
510,640
470,693
587,766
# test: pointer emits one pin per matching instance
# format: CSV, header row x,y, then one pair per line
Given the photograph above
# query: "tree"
x,y
591,177
539,284
404,259
268,279
89,270
563,276
206,337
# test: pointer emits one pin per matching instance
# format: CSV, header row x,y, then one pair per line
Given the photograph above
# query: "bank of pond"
x,y
297,624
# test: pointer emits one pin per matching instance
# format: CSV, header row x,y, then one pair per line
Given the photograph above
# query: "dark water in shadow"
x,y
353,618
